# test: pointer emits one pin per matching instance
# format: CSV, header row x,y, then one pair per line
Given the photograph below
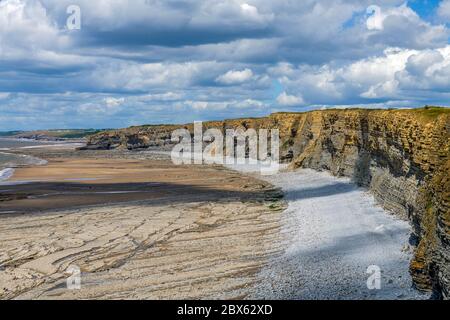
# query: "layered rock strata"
x,y
402,156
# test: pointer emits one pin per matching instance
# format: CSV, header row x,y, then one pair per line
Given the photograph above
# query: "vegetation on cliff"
x,y
61,134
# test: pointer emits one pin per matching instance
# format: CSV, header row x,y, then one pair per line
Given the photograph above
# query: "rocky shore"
x,y
401,156
135,226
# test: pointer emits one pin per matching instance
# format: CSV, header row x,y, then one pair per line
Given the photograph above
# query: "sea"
x,y
9,161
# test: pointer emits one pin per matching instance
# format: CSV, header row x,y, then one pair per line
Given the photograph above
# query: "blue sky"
x,y
152,61
426,9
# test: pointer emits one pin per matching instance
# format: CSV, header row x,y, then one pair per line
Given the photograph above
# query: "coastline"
x,y
156,240
13,153
334,233
6,173
241,214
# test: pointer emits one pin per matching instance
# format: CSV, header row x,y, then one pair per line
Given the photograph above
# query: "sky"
x,y
120,63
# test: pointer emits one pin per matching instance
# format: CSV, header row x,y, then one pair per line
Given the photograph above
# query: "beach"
x,y
335,235
138,227
13,154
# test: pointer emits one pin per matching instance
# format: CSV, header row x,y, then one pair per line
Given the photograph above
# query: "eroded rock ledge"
x,y
402,156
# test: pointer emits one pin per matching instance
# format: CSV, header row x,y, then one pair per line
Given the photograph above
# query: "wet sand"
x,y
67,183
136,228
140,228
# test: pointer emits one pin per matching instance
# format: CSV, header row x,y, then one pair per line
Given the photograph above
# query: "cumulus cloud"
x,y
378,16
230,13
28,36
287,100
167,96
235,77
444,10
402,27
426,71
135,77
206,105
397,74
173,61
114,102
223,105
249,104
4,95
252,13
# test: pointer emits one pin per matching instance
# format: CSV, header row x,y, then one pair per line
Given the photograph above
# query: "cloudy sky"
x,y
169,61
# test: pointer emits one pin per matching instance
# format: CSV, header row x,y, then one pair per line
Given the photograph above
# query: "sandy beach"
x,y
139,227
135,228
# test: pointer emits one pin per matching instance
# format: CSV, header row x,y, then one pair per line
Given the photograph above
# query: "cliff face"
x,y
402,156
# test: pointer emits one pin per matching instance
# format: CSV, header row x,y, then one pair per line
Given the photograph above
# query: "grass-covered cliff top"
x,y
428,113
431,111
58,134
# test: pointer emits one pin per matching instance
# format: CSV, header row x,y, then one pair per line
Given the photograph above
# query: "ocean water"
x,y
9,161
8,143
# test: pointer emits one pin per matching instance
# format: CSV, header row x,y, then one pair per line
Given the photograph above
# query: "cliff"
x,y
402,156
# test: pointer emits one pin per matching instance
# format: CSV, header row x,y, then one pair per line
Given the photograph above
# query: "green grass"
x,y
73,134
62,133
9,133
431,111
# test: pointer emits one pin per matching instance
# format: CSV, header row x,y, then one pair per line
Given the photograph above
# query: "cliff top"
x,y
428,113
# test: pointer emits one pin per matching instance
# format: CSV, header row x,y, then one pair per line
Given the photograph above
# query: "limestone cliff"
x,y
402,156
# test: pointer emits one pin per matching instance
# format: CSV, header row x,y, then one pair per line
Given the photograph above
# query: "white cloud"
x,y
282,69
133,76
206,105
248,104
378,15
253,13
4,95
214,58
224,105
289,101
109,15
114,102
28,33
376,18
444,10
168,96
235,77
427,70
397,74
230,13
403,27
